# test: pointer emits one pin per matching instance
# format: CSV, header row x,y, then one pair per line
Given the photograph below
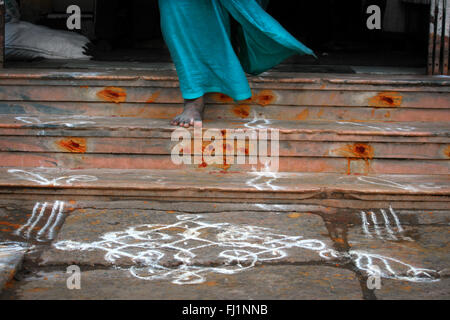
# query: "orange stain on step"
x,y
153,97
386,99
74,145
357,151
303,115
209,148
8,224
223,98
211,284
264,98
113,94
447,151
242,111
320,114
36,290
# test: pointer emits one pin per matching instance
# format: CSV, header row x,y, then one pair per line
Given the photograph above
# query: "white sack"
x,y
24,40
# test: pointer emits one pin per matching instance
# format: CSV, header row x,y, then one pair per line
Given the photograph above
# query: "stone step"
x,y
35,125
266,97
155,94
163,162
163,146
239,187
11,257
135,143
230,112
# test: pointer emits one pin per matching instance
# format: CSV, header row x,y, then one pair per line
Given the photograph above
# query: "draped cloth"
x,y
198,35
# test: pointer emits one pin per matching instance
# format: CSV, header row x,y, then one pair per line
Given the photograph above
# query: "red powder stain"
x,y
264,98
113,94
210,283
320,114
11,225
386,99
220,97
207,146
153,97
242,111
10,284
74,145
203,164
36,290
447,151
303,115
357,151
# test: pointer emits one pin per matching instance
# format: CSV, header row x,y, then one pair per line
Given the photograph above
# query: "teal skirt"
x,y
208,58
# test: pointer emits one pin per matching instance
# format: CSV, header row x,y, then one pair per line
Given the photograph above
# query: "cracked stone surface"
x,y
163,250
11,256
268,282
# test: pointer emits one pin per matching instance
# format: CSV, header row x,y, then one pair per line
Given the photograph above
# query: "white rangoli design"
x,y
152,248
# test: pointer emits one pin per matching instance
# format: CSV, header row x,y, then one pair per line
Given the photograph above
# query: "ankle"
x,y
198,103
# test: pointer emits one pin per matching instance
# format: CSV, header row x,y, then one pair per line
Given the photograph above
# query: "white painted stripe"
x,y
30,220
365,224
58,219
397,220
375,223
41,214
50,219
388,224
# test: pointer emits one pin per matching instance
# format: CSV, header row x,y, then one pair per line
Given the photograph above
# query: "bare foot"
x,y
192,114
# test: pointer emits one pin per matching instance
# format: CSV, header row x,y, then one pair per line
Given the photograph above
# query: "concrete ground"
x,y
197,251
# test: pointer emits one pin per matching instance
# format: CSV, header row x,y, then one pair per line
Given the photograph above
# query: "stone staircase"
x,y
345,140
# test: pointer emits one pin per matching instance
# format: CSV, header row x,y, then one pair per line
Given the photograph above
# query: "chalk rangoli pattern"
x,y
389,183
43,181
258,122
385,225
67,121
238,247
386,127
51,220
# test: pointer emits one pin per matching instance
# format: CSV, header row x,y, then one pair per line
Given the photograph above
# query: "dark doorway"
x,y
128,31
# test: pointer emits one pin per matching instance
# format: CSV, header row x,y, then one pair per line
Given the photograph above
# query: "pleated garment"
x,y
198,35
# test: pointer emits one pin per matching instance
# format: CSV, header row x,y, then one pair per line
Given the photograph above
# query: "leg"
x,y
192,114
197,33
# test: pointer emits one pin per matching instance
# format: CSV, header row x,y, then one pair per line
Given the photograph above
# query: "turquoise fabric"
x,y
198,35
